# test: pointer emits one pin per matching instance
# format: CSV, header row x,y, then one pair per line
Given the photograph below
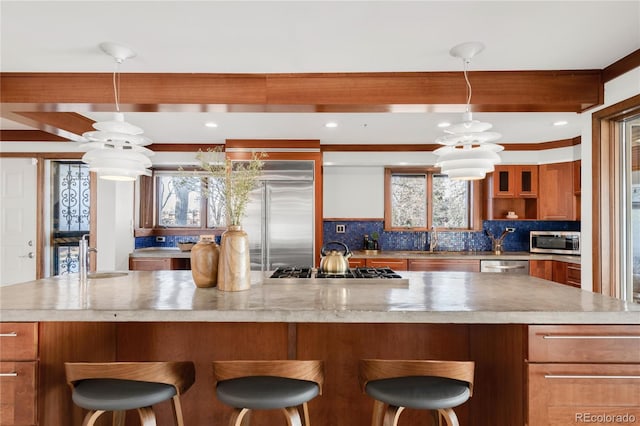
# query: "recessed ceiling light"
x,y
211,124
560,123
331,124
444,124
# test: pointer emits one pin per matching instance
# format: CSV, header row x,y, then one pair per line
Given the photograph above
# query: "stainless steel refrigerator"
x,y
280,216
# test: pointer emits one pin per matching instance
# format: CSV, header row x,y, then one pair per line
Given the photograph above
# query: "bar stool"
x,y
121,386
263,385
438,386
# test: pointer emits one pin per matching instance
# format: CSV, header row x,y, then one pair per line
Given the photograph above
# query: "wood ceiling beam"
x,y
493,91
29,136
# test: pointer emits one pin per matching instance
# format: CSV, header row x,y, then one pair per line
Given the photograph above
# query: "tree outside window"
x,y
418,199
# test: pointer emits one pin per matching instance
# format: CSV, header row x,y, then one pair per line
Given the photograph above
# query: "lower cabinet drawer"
x,y
18,341
396,264
584,343
570,394
18,391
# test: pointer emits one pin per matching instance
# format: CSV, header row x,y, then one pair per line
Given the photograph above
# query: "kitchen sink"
x,y
97,275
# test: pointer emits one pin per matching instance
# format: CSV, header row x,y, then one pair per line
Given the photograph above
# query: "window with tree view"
x,y
188,201
422,198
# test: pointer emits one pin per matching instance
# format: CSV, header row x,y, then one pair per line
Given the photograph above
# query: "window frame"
x,y
149,203
474,210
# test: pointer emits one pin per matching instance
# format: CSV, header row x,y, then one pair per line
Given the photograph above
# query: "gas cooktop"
x,y
307,272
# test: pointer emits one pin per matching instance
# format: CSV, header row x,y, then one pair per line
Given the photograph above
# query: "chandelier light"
x,y
468,152
115,150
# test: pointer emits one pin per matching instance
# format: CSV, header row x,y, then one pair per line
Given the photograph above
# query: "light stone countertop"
x,y
423,297
401,254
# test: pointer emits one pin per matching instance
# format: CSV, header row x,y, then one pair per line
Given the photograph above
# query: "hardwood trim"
x,y
605,187
621,66
562,143
69,121
44,155
180,147
40,218
272,143
30,136
146,201
93,219
560,90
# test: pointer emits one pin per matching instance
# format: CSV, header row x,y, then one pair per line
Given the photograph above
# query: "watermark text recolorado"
x,y
605,418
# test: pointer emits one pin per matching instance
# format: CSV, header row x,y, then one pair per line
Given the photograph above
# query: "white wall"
x,y
115,225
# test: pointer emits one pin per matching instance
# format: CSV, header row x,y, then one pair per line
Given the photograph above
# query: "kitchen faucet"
x,y
496,243
83,255
433,242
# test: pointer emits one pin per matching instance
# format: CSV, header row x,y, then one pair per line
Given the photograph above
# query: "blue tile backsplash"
x,y
354,233
401,240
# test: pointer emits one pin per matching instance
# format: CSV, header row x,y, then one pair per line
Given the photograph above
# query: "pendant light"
x,y
115,150
469,153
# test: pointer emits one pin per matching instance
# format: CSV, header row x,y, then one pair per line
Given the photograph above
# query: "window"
x,y
182,201
418,199
70,213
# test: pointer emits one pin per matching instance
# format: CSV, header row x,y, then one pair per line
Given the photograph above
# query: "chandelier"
x,y
468,152
115,150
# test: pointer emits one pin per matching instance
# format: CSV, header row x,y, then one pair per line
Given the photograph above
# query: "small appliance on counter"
x,y
557,242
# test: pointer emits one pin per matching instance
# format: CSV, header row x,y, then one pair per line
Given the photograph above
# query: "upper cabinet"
x,y
557,195
513,189
544,192
515,181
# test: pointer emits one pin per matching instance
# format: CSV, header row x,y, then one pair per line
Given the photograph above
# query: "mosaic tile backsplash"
x,y
354,233
170,241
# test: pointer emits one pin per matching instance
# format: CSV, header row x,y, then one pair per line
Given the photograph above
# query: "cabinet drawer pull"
x,y
14,374
10,334
587,376
589,337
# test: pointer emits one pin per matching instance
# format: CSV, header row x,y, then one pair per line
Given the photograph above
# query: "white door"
x,y
18,195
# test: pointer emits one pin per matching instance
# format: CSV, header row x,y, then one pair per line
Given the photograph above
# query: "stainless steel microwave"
x,y
560,242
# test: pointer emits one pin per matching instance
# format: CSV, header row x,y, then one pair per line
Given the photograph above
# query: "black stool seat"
x,y
420,392
120,395
266,392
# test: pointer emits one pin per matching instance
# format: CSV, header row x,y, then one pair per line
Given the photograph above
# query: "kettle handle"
x,y
347,252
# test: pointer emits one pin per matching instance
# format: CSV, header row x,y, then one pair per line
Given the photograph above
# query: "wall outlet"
x,y
160,239
510,229
340,229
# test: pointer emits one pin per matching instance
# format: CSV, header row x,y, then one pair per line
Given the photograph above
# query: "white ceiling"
x,y
320,36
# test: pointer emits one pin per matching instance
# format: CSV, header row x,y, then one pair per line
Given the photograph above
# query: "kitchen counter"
x,y
160,252
482,255
424,297
164,252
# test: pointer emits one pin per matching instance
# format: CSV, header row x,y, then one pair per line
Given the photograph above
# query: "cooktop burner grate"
x,y
306,272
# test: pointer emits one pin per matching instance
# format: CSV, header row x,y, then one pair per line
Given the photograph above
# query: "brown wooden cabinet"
x,y
577,373
541,269
158,263
18,373
557,199
554,270
387,262
463,265
513,189
515,182
357,262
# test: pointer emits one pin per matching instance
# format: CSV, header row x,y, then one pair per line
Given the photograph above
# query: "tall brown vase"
x,y
234,270
205,257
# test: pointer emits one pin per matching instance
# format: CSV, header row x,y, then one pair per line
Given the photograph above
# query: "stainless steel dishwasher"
x,y
505,266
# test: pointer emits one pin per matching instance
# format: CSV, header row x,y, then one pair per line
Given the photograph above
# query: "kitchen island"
x,y
489,318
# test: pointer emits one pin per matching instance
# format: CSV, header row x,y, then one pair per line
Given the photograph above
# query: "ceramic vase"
x,y
205,256
234,269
